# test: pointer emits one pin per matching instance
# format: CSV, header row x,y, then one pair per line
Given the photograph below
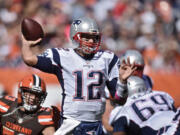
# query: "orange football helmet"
x,y
31,92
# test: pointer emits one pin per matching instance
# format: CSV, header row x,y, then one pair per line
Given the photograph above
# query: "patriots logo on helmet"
x,y
76,23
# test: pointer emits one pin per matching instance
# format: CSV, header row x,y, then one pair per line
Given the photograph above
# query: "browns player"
x,y
25,115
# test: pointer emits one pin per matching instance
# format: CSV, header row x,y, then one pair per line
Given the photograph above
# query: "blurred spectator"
x,y
102,7
168,57
78,9
108,36
146,40
150,26
126,24
148,16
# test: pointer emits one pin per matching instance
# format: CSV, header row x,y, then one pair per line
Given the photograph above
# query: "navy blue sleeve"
x,y
148,81
44,64
113,63
111,85
120,125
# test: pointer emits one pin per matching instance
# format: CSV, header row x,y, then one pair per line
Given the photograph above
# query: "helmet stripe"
x,y
34,80
37,81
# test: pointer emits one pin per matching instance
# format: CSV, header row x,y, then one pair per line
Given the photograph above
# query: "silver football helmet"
x,y
85,28
136,85
134,57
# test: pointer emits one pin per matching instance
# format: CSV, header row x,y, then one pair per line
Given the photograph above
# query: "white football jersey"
x,y
173,128
144,110
83,81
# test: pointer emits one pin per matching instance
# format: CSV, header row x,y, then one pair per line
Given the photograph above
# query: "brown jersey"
x,y
16,122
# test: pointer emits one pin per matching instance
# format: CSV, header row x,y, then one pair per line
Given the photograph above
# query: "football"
x,y
31,29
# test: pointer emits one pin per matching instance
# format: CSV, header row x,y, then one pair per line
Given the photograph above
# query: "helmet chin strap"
x,y
87,56
29,107
87,50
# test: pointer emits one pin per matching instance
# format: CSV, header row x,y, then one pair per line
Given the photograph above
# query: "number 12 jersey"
x,y
82,80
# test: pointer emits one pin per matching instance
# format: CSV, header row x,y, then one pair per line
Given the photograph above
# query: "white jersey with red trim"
x,y
82,80
173,128
145,109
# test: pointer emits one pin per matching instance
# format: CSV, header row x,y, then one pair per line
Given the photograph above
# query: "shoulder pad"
x,y
45,109
45,116
10,98
6,102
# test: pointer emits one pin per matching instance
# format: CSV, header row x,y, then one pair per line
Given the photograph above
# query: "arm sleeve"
x,y
120,125
45,117
113,68
116,88
170,101
148,81
49,61
7,103
121,89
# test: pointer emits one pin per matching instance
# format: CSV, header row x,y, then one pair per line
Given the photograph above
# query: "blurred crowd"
x,y
150,26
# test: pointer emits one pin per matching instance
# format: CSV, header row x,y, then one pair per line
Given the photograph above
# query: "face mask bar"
x,y
88,47
31,99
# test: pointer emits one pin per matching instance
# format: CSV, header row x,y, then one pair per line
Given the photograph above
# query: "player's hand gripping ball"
x,y
31,29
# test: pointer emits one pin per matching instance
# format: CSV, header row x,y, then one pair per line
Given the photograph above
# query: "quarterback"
x,y
83,72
